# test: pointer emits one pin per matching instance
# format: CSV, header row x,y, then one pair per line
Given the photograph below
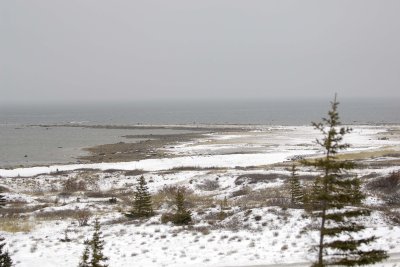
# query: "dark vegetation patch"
x,y
387,184
380,164
122,192
370,176
13,210
208,185
245,190
134,172
308,177
4,189
393,217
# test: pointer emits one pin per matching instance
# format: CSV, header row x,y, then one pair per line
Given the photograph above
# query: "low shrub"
x,y
389,184
253,178
134,172
170,191
167,217
82,217
218,216
183,218
245,190
208,185
73,185
234,224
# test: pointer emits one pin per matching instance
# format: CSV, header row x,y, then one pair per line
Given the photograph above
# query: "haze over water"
x,y
272,112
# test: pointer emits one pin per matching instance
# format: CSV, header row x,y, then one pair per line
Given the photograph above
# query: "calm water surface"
x,y
63,144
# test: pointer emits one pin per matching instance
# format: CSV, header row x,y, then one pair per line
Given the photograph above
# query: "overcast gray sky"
x,y
102,50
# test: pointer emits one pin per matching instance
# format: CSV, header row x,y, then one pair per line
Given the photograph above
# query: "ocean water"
x,y
24,144
275,112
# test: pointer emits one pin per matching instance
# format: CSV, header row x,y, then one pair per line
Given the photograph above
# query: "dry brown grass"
x,y
276,196
367,154
56,215
168,193
15,225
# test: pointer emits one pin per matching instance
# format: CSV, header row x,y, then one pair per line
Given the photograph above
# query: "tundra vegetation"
x,y
303,204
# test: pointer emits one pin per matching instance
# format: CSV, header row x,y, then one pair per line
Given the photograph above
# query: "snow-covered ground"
x,y
245,168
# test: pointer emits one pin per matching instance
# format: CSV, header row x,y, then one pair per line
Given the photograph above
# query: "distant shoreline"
x,y
147,146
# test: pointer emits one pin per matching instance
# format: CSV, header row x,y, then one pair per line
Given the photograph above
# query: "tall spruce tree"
x,y
5,259
142,205
335,201
93,254
296,192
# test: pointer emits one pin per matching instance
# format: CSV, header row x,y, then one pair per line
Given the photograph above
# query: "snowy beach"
x,y
248,168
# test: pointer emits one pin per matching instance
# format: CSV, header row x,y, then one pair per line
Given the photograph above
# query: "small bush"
x,y
254,178
167,217
73,185
208,185
99,194
279,201
202,229
245,190
134,172
257,218
182,218
233,224
217,216
170,191
82,217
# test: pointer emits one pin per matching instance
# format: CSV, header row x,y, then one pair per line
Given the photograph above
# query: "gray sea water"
x,y
22,144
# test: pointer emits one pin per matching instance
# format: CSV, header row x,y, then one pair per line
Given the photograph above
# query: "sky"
x,y
55,51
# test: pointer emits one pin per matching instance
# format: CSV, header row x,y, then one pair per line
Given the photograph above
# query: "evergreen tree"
x,y
97,245
93,254
142,206
182,215
5,259
296,192
335,201
85,256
